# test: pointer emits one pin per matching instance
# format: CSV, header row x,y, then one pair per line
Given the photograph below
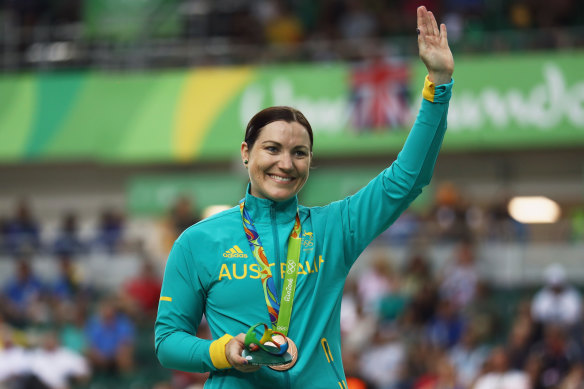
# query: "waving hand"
x,y
433,47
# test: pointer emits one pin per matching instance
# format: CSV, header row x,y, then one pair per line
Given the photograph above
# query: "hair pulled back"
x,y
274,114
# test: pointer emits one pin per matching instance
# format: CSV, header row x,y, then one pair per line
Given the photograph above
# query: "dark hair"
x,y
274,114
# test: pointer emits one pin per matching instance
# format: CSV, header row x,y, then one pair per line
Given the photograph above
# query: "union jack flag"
x,y
380,95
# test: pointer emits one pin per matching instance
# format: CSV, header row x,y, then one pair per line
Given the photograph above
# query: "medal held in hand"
x,y
273,348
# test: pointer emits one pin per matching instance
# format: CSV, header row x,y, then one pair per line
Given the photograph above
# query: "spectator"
x,y
357,22
110,336
363,328
417,274
485,314
23,294
468,356
352,372
140,294
557,302
183,215
520,342
13,364
440,375
499,375
446,328
450,214
68,241
382,362
283,27
403,231
72,321
574,379
55,366
553,357
349,305
459,281
110,231
21,234
422,306
501,226
69,284
378,280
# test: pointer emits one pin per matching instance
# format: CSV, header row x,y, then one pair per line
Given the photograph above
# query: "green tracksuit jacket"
x,y
211,269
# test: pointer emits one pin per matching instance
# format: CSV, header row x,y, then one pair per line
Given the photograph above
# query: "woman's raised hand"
x,y
433,47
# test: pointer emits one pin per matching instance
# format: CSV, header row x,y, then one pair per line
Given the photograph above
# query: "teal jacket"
x,y
211,270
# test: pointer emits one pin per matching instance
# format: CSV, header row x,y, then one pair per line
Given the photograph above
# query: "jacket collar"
x,y
260,210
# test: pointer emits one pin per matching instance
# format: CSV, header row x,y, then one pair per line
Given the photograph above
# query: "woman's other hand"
x,y
433,47
233,350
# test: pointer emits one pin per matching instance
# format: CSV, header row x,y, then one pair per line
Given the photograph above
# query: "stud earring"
x,y
245,161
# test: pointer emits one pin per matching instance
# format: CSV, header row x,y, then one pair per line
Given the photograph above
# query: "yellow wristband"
x,y
217,352
429,88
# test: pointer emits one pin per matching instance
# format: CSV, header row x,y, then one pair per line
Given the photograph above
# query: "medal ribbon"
x,y
280,311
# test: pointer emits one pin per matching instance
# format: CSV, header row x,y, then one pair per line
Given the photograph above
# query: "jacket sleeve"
x,y
180,309
372,210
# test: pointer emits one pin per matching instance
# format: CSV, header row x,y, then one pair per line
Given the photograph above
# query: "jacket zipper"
x,y
330,360
276,240
277,270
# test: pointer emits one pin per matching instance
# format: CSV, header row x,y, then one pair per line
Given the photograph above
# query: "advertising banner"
x,y
499,102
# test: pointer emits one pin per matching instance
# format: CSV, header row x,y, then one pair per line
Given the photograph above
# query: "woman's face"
x,y
279,161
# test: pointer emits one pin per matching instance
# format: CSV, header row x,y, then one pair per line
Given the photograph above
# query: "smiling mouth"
x,y
280,178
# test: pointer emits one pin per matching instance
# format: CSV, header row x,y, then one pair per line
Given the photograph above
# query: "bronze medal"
x,y
292,350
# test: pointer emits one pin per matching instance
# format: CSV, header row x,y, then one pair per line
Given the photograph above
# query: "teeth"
x,y
283,179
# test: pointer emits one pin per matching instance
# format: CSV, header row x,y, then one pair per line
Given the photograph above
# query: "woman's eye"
x,y
272,149
300,153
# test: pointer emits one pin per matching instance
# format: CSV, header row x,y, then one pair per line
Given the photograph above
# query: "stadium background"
x,y
121,121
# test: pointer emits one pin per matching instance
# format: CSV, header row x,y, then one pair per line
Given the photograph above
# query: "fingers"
x,y
233,350
443,33
427,22
421,13
434,24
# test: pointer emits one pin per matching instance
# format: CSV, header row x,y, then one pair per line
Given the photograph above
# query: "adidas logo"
x,y
234,252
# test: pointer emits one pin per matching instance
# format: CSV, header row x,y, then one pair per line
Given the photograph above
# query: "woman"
x,y
217,266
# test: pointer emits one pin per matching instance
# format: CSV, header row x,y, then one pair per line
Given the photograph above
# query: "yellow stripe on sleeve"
x,y
217,352
164,298
429,88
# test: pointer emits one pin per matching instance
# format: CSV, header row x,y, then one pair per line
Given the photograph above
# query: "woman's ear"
x,y
244,153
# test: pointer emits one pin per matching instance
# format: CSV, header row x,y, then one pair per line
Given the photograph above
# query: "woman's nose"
x,y
285,162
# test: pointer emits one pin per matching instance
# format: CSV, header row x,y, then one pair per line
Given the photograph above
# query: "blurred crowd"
x,y
235,31
445,218
54,333
419,328
413,326
58,329
292,21
22,233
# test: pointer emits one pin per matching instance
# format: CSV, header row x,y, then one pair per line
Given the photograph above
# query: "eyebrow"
x,y
280,145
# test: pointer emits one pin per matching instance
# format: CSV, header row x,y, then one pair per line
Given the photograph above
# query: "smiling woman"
x,y
294,259
278,155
